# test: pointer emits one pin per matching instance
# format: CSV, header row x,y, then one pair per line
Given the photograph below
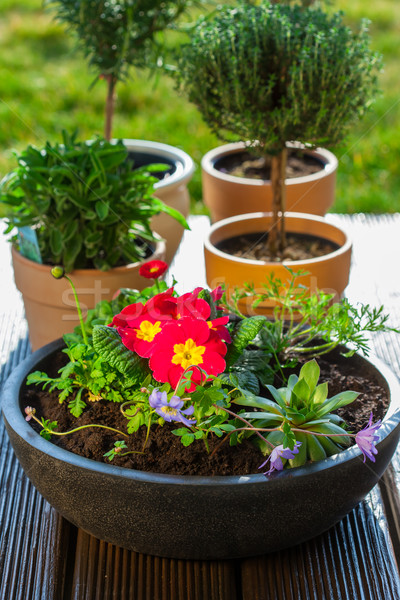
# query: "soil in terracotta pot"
x,y
164,451
245,164
254,246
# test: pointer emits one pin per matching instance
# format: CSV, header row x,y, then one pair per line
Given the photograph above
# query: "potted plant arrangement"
x,y
114,38
83,206
271,73
183,431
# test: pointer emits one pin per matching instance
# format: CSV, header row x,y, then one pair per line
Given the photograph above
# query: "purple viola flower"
x,y
171,410
366,439
276,456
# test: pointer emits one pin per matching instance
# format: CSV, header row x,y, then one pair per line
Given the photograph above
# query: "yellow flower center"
x,y
169,410
188,354
153,269
147,331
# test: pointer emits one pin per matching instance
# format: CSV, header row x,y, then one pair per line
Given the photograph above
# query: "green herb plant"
x,y
117,35
271,73
89,208
307,324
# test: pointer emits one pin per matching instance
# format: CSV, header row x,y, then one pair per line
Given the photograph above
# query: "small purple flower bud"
x,y
367,438
29,411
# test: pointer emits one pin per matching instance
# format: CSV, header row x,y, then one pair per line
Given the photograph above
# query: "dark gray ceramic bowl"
x,y
196,517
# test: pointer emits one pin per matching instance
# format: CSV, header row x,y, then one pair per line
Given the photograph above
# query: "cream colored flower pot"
x,y
49,303
329,273
172,189
227,195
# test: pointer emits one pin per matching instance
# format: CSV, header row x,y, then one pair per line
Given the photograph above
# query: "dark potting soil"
x,y
164,451
254,246
144,159
246,164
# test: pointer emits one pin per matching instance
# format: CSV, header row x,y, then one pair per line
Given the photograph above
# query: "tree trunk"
x,y
110,102
276,235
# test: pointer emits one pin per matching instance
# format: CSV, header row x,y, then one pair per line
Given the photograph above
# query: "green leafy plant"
x,y
115,36
181,359
272,73
305,324
87,205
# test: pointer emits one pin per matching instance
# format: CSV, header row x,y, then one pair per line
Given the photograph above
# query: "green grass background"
x,y
44,88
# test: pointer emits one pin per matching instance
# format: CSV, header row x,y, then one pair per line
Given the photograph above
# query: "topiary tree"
x,y
271,73
115,35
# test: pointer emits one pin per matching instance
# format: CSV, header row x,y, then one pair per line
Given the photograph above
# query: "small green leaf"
x,y
187,439
278,396
320,393
289,439
259,402
71,252
337,401
181,431
77,405
300,458
56,241
301,391
310,373
102,209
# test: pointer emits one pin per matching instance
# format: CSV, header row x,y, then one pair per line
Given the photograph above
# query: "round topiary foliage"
x,y
115,35
277,72
274,73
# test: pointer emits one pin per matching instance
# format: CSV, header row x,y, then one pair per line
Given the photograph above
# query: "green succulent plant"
x,y
301,410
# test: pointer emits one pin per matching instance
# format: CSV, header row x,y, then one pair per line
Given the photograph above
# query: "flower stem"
x,y
52,432
147,435
235,416
110,103
78,308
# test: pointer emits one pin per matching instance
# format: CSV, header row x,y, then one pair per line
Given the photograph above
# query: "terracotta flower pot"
x,y
227,195
171,189
329,273
49,303
197,517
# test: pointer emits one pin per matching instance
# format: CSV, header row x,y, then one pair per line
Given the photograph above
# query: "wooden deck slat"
x,y
42,557
352,561
105,572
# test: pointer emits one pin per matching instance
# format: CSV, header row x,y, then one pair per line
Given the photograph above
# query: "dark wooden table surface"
x,y
43,557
